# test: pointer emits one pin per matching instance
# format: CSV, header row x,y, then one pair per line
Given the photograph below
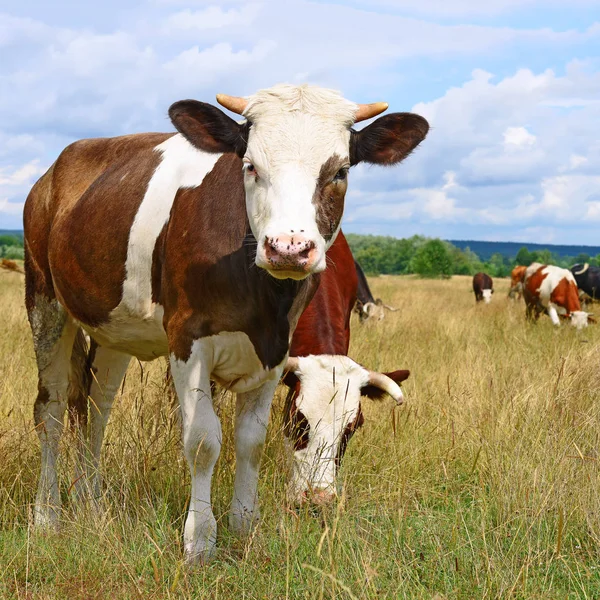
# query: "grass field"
x,y
485,484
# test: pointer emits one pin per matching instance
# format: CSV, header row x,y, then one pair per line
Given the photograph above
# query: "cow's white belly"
x,y
140,334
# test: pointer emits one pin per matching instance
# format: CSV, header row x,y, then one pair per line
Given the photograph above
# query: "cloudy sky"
x,y
511,89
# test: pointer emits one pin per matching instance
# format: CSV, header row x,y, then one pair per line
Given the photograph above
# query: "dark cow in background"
x,y
588,279
483,287
323,409
553,290
203,245
367,307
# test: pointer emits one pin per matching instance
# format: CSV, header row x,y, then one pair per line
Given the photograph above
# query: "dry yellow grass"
x,y
484,485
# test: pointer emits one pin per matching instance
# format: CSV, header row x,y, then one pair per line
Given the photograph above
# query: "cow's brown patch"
x,y
92,219
347,435
210,282
329,195
565,294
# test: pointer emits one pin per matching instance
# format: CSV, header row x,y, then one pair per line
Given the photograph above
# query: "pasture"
x,y
485,484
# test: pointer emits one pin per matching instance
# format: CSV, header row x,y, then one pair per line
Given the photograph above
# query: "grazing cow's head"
x,y
322,414
297,145
487,295
579,319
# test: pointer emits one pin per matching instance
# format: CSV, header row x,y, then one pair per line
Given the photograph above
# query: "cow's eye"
x,y
251,170
341,174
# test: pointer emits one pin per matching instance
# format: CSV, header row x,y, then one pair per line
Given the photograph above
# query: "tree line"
x,y
426,257
432,257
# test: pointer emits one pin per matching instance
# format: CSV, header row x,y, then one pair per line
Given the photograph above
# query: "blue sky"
x,y
511,89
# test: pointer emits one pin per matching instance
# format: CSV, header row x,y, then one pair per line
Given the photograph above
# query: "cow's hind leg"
x,y
100,381
202,438
53,336
108,367
252,419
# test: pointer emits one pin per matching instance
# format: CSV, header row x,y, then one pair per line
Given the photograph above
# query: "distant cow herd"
x,y
548,289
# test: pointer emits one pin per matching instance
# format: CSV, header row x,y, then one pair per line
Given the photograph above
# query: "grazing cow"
x,y
323,410
517,276
367,308
201,245
483,287
553,290
588,279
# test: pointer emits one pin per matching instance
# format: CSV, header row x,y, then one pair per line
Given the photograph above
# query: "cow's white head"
x,y
297,145
579,319
322,413
487,295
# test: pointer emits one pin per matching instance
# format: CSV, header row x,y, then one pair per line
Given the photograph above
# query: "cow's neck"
x,y
209,282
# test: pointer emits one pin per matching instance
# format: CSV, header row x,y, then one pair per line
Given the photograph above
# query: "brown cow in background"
x,y
483,287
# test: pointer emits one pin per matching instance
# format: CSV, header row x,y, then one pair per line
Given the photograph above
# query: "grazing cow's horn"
x,y
366,111
383,382
235,104
292,364
586,266
390,307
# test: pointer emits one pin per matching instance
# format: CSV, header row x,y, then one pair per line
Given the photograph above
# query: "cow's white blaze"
x,y
135,325
330,401
295,130
487,296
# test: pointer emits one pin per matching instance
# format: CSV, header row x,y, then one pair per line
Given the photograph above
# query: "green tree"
x,y
524,257
432,259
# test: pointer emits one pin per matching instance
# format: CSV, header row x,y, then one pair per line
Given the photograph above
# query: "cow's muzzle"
x,y
290,255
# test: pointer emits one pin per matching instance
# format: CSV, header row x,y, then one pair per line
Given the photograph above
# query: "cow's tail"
x,y
80,381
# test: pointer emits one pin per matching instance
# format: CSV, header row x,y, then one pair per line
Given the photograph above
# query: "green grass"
x,y
485,484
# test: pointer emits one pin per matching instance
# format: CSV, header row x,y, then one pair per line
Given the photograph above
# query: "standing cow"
x,y
588,279
483,287
553,290
517,276
201,245
367,307
323,407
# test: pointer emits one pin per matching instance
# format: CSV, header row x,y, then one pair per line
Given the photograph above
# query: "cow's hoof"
x,y
46,517
243,522
200,554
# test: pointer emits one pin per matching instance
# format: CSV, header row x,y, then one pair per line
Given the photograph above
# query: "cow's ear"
x,y
388,140
376,393
208,128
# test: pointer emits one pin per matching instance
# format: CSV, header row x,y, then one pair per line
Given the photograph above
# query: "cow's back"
x,y
85,200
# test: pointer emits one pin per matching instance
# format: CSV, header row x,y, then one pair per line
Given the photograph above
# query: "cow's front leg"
x,y
252,419
553,314
202,445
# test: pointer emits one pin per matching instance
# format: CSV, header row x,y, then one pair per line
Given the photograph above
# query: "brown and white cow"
x,y
551,289
483,287
517,275
201,245
323,407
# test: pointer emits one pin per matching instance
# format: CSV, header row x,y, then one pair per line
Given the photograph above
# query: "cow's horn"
x,y
292,364
235,104
383,382
366,111
586,266
390,307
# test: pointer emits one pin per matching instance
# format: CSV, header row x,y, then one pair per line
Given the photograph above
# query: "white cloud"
x,y
11,208
212,17
21,175
518,137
